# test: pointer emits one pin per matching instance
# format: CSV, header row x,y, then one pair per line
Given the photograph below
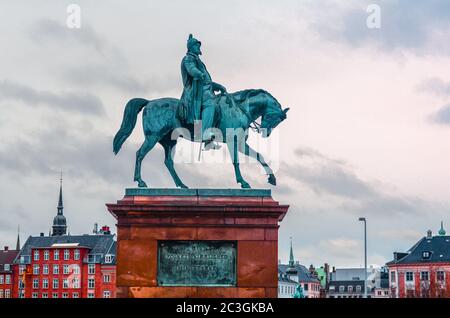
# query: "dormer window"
x,y
426,255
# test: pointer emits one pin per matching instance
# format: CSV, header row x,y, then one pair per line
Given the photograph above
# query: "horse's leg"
x,y
256,155
233,148
149,142
169,145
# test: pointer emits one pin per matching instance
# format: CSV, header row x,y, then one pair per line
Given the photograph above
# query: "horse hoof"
x,y
272,180
142,184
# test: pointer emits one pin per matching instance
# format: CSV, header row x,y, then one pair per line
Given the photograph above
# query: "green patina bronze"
x,y
196,263
299,292
224,117
198,192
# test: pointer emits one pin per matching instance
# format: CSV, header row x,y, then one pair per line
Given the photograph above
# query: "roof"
x,y
7,257
98,244
285,279
303,273
437,246
346,284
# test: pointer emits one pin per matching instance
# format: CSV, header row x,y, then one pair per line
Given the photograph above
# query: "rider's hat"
x,y
191,42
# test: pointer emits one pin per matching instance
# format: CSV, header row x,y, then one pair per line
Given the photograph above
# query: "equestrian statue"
x,y
222,117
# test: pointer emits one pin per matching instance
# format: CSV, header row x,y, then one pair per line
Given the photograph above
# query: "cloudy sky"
x,y
367,134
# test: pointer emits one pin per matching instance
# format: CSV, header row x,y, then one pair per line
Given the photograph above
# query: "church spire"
x,y
291,256
18,238
59,221
442,231
60,201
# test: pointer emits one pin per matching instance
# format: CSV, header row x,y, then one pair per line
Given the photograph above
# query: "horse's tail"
x,y
132,109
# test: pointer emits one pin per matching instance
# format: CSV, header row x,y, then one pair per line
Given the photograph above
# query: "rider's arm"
x,y
191,68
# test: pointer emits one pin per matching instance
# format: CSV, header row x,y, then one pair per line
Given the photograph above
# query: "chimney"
x,y
429,234
41,234
95,231
105,230
6,248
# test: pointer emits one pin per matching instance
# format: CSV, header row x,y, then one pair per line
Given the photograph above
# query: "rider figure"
x,y
197,101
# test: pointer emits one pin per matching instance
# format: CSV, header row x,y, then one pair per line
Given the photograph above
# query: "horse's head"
x,y
273,116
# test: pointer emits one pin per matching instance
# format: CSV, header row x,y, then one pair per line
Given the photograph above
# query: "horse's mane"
x,y
240,96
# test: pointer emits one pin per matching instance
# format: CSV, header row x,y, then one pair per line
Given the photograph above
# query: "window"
x,y
36,255
66,255
65,283
90,295
45,269
91,269
55,284
54,295
8,279
76,255
55,269
358,288
65,295
424,276
106,278
426,255
1,293
91,283
350,289
305,287
35,269
106,294
45,283
393,277
76,283
7,293
21,269
76,269
66,269
409,276
6,267
108,259
44,295
341,289
2,279
35,283
34,295
75,295
56,255
440,275
46,255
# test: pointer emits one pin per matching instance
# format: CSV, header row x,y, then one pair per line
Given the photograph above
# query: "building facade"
x,y
61,265
8,272
293,274
67,267
424,270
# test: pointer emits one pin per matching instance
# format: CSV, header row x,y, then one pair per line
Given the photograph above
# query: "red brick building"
x,y
64,266
8,272
424,270
67,266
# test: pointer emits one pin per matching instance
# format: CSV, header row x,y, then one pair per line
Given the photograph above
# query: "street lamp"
x,y
365,255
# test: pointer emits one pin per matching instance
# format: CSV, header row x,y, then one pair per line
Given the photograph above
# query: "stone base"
x,y
246,216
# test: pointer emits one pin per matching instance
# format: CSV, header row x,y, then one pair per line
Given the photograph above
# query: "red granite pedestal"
x,y
248,217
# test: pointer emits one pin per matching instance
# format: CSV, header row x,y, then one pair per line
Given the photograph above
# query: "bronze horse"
x,y
162,124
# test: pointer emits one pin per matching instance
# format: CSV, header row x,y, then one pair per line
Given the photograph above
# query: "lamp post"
x,y
363,219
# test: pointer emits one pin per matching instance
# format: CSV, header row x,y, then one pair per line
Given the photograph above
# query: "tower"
x,y
291,256
59,221
442,231
18,238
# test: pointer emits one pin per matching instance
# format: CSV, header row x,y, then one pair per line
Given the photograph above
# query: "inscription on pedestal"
x,y
196,263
